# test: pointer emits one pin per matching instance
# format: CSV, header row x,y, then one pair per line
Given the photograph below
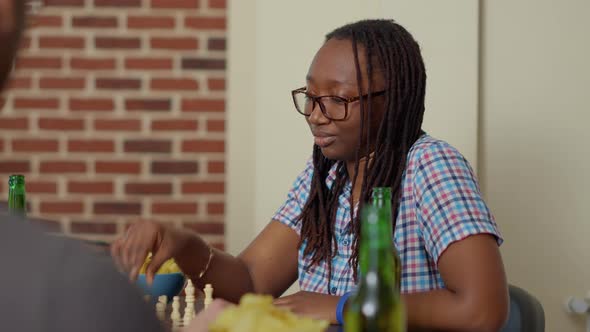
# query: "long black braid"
x,y
394,51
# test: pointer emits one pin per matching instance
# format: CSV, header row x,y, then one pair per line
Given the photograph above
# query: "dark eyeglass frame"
x,y
318,100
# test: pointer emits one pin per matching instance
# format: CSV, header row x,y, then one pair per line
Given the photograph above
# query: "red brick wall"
x,y
117,112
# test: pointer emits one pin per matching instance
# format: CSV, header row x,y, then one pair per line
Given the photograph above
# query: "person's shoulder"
x,y
428,148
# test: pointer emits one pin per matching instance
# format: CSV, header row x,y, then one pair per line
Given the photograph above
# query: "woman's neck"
x,y
357,185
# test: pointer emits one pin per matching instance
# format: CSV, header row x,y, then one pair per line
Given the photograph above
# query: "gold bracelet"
x,y
207,265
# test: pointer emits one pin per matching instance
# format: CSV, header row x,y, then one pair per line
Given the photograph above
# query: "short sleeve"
x,y
290,211
448,200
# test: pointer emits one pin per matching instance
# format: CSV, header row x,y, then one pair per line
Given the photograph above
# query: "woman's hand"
x,y
309,304
130,250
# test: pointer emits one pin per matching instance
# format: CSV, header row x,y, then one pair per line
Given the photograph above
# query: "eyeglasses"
x,y
333,107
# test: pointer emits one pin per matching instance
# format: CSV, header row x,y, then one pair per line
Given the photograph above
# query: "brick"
x,y
215,125
216,84
216,167
118,167
144,188
175,125
173,84
203,105
93,63
117,208
87,227
201,187
14,123
206,23
175,43
174,167
90,187
216,44
211,228
20,83
203,64
61,167
95,22
218,4
203,146
174,208
46,21
35,145
148,104
2,145
151,22
62,207
91,145
151,146
148,63
117,3
117,125
118,84
61,124
11,167
61,42
36,103
175,4
51,83
117,42
38,62
215,208
92,104
41,187
64,3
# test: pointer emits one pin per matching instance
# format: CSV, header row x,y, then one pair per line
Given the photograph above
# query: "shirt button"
x,y
345,243
334,289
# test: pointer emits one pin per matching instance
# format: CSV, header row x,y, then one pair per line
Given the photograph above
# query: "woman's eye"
x,y
337,100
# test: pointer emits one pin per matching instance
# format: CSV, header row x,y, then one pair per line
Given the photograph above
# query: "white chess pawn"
x,y
161,311
175,316
208,295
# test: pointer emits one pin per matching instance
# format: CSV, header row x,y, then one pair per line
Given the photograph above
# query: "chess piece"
x,y
189,310
208,295
161,307
175,316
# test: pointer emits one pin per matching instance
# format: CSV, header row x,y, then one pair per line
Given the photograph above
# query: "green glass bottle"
x,y
17,202
376,305
381,197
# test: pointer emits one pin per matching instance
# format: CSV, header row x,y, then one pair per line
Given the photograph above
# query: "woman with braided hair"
x,y
364,103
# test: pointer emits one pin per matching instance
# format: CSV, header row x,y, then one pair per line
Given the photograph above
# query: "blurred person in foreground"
x,y
54,284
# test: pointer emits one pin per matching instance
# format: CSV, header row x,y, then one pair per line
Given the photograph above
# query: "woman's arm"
x,y
268,265
476,297
476,294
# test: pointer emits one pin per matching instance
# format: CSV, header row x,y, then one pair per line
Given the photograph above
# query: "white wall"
x,y
535,154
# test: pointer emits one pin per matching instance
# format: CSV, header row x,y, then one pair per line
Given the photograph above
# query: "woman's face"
x,y
333,72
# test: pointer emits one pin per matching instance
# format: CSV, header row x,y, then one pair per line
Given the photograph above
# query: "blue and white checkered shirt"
x,y
441,203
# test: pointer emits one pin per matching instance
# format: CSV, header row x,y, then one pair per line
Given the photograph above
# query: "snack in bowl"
x,y
169,280
257,313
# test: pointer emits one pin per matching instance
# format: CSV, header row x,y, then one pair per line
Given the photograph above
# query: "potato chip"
x,y
257,313
169,266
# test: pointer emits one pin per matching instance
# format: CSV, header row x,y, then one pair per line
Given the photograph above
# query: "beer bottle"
x,y
376,305
17,203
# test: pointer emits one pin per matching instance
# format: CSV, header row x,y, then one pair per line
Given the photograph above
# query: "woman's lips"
x,y
324,141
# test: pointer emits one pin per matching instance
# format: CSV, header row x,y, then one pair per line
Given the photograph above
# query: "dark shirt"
x,y
58,285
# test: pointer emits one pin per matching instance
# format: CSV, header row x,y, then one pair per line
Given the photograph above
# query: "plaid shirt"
x,y
441,204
